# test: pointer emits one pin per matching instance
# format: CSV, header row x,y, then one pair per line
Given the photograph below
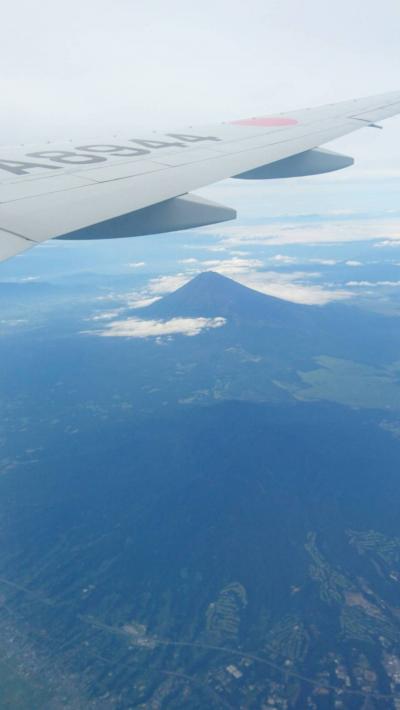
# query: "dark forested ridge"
x,y
202,522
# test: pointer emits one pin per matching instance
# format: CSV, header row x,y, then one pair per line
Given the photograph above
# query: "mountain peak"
x,y
210,277
211,294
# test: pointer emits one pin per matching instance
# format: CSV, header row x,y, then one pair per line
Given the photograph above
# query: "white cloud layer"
x,y
309,233
291,260
389,243
231,267
165,284
138,328
373,284
138,302
290,287
106,315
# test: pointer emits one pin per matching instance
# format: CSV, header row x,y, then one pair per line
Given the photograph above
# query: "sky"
x,y
70,67
81,69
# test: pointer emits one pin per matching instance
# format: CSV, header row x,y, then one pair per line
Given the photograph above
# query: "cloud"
x,y
21,280
231,267
373,284
307,295
138,328
165,284
142,302
152,292
323,262
155,289
286,260
309,233
389,243
353,262
283,259
106,315
214,248
136,264
236,263
13,323
291,287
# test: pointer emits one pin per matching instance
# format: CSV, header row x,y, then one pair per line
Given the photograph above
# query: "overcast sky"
x,y
97,65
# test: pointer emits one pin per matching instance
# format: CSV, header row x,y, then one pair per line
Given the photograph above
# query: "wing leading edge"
x,y
134,186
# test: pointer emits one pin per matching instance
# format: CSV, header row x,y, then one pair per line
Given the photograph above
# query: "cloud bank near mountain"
x,y
139,328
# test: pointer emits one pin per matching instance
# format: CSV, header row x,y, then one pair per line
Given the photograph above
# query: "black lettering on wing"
x,y
19,167
67,157
154,144
189,138
120,151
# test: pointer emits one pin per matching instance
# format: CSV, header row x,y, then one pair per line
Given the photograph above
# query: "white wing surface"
x,y
136,185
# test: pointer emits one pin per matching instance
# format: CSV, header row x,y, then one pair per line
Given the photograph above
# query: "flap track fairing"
x,y
185,212
311,162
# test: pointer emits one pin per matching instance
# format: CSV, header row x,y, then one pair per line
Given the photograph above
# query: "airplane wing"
x,y
137,185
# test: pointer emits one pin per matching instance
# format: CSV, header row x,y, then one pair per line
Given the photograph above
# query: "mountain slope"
x,y
211,294
337,329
